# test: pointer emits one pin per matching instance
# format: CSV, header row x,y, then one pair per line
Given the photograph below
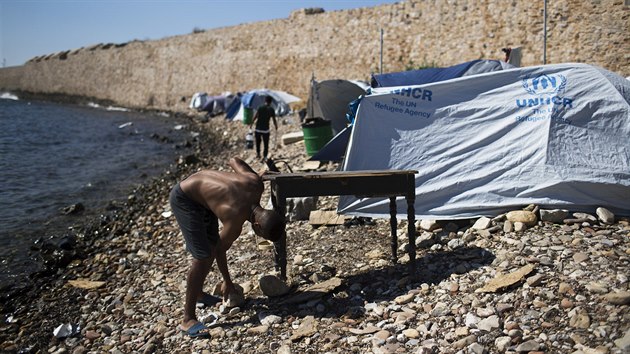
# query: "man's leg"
x,y
199,270
266,142
258,140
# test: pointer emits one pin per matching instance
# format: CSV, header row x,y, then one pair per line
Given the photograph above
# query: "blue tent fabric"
x,y
248,100
233,108
214,105
352,110
423,76
335,149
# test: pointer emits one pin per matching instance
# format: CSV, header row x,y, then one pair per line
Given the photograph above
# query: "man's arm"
x,y
227,236
254,120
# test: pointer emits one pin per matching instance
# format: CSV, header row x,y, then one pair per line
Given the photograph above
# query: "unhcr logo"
x,y
544,84
547,89
415,92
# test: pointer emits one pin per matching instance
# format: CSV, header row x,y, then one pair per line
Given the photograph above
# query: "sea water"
x,y
55,155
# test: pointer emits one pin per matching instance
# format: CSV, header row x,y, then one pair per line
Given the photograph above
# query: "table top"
x,y
336,174
377,183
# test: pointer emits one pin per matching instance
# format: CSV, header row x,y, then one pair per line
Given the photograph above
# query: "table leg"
x,y
411,231
280,246
393,223
281,256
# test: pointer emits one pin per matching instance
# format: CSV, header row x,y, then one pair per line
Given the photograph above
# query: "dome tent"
x,y
253,99
551,135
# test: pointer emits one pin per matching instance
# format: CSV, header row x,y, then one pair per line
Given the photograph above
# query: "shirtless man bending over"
x,y
198,203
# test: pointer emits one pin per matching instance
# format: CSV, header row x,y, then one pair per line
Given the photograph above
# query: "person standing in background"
x,y
264,113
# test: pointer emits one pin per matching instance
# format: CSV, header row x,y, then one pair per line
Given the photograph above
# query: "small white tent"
x,y
552,135
329,99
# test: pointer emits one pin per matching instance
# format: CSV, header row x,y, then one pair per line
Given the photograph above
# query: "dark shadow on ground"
x,y
348,300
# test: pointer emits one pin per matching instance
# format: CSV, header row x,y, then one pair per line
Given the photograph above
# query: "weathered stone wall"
x,y
283,54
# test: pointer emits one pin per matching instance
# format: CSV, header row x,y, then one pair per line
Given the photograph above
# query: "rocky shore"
x,y
529,281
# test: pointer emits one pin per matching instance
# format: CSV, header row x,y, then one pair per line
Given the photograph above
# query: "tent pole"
x,y
545,34
381,66
312,113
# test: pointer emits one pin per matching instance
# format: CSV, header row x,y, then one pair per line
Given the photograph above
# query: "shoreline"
x,y
77,239
64,236
90,236
63,98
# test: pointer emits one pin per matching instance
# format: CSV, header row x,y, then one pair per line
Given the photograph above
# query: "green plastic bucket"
x,y
248,115
317,133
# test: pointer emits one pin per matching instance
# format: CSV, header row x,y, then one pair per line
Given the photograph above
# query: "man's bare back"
x,y
226,194
229,195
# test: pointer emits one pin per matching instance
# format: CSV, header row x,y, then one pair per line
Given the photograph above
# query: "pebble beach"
x,y
529,281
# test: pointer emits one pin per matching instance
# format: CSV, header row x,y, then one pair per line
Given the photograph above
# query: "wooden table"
x,y
362,184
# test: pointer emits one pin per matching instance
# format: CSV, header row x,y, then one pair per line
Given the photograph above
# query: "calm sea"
x,y
55,155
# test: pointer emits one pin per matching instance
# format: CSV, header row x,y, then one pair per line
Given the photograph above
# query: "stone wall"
x,y
284,54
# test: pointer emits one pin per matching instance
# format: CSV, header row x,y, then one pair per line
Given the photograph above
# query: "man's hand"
x,y
226,289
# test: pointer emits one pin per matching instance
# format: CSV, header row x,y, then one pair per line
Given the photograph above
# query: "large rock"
x,y
314,291
605,215
580,319
235,299
300,208
272,286
489,324
482,223
73,209
425,240
530,345
618,298
308,327
585,216
526,217
502,343
555,216
427,225
294,137
624,343
519,226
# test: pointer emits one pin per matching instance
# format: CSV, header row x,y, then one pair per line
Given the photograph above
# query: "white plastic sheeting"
x,y
553,135
198,100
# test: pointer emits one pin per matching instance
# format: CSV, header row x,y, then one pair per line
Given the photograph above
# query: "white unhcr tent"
x,y
553,135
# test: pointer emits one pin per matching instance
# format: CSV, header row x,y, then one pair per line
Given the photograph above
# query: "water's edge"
x,y
53,255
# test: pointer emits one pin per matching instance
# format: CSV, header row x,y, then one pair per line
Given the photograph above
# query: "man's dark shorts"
x,y
199,225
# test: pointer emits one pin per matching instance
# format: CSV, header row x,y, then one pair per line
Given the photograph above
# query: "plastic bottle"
x,y
249,139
